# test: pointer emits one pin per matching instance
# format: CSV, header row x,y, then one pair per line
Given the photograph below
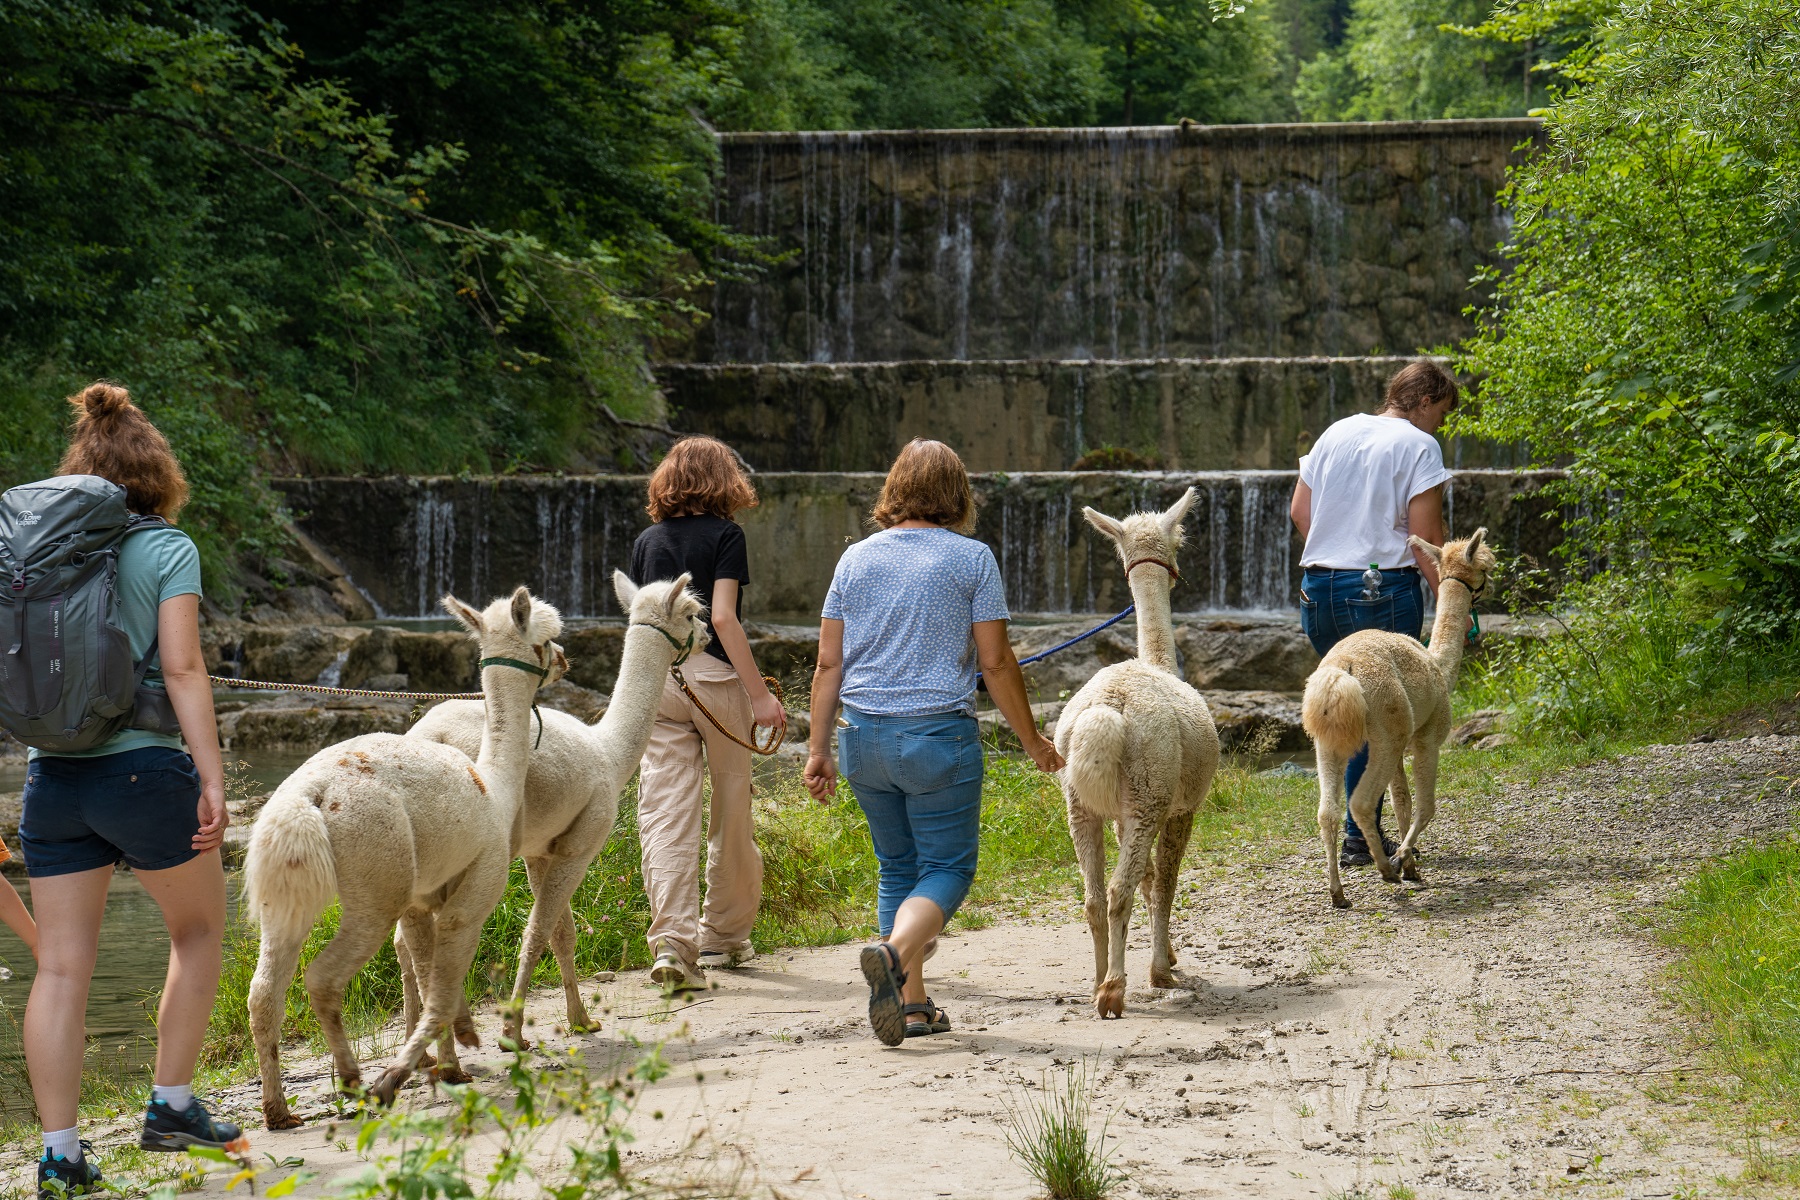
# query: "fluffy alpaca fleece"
x,y
1390,691
572,788
399,829
1141,751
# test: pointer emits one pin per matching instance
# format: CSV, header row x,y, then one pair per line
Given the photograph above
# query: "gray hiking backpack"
x,y
67,681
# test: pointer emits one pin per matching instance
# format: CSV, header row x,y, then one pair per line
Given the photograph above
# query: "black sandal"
x,y
881,967
934,1019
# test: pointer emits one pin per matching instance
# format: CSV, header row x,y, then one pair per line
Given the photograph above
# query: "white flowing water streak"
x,y
434,546
333,674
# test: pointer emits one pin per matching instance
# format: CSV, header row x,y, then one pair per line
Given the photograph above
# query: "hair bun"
x,y
103,400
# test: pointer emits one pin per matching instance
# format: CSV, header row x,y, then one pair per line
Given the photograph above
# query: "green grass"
x,y
1737,924
1051,1135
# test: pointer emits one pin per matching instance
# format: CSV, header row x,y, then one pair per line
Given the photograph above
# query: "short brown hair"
x,y
1418,384
699,476
927,482
116,441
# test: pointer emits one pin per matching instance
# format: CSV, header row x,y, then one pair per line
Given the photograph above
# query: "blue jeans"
x,y
1332,608
918,780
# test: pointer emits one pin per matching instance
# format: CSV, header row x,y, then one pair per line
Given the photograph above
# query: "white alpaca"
x,y
1390,691
577,773
399,829
1141,751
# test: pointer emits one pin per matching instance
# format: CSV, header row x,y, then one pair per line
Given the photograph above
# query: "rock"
x,y
593,651
584,704
285,725
787,652
1229,655
1268,721
994,726
437,662
386,683
298,654
1494,741
1478,725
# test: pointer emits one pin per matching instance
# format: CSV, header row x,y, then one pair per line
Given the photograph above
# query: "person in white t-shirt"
x,y
1371,481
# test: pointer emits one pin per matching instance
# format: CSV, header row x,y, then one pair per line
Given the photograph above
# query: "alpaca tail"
x,y
1096,758
290,874
1335,712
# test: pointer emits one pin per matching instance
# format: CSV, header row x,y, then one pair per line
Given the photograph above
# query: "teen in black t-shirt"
x,y
693,495
707,547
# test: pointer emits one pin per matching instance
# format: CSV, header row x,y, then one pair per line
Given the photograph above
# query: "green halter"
x,y
682,650
530,669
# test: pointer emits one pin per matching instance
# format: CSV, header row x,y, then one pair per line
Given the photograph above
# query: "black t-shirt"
x,y
707,548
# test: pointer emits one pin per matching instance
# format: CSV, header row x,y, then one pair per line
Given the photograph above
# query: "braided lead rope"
x,y
779,732
262,685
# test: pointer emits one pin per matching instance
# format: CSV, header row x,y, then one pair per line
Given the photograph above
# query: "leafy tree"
x,y
1167,59
1649,332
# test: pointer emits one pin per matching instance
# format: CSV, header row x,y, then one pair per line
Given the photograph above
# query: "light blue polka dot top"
x,y
907,598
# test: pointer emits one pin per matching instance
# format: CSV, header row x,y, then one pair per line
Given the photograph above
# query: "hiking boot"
x,y
168,1130
727,958
1355,852
673,975
58,1177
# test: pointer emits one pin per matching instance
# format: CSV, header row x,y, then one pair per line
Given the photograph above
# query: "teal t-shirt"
x,y
154,565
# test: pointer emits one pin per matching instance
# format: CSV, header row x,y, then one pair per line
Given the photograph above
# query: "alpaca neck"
x,y
1150,587
507,732
1447,630
625,726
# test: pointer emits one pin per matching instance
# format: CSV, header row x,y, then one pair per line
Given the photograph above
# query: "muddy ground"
x,y
1505,1029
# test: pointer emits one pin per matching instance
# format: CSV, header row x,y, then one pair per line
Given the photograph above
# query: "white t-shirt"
x,y
1362,473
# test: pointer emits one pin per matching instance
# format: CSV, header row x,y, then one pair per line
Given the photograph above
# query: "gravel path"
x,y
1502,1030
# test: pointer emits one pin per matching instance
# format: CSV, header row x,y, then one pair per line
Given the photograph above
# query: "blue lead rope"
x,y
981,684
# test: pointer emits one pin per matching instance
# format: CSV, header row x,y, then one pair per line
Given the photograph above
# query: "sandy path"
x,y
1501,1031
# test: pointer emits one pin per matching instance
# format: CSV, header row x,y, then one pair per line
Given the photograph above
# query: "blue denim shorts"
x,y
140,807
918,780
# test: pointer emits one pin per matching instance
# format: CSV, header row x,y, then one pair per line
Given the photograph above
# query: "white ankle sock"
x,y
177,1095
63,1143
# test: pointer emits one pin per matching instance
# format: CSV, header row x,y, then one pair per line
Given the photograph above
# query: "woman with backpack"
x,y
138,797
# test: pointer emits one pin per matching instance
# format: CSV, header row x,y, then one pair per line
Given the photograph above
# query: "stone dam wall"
x,y
1164,242
1023,415
407,541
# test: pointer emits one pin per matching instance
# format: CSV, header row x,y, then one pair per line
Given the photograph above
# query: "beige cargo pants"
x,y
669,804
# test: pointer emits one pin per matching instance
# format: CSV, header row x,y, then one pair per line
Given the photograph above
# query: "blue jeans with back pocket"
x,y
1332,608
918,780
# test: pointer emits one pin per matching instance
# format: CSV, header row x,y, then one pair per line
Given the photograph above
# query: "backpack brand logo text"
x,y
27,517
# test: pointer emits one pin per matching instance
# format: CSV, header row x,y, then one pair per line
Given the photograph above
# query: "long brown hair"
x,y
927,482
700,475
116,441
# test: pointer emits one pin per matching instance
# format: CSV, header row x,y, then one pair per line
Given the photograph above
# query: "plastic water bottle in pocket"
x,y
1372,583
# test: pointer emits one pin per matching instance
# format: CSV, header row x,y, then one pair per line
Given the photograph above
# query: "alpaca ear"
x,y
1105,524
1426,548
1175,514
1474,545
625,590
468,617
677,590
521,610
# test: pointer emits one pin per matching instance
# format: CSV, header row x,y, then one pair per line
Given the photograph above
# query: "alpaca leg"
x,y
531,949
1384,764
457,934
359,936
276,960
1137,836
1089,834
1425,766
1331,822
409,982
1402,797
1169,849
562,945
552,926
418,929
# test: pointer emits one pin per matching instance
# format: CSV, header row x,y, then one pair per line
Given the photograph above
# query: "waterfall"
x,y
333,675
434,543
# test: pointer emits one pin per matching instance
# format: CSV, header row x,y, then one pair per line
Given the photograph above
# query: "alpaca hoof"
x,y
277,1116
466,1034
1410,872
427,1061
514,1041
1390,873
451,1075
351,1086
1339,900
388,1085
1109,999
1162,979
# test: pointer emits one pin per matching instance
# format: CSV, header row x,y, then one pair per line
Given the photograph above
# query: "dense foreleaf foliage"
x,y
1646,336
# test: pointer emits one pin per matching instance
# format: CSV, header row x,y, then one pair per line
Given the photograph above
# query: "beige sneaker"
x,y
673,975
728,958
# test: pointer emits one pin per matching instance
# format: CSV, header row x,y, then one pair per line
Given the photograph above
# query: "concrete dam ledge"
x,y
1522,127
405,541
1237,413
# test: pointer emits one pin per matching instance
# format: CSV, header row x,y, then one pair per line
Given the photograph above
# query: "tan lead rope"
x,y
260,685
754,747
